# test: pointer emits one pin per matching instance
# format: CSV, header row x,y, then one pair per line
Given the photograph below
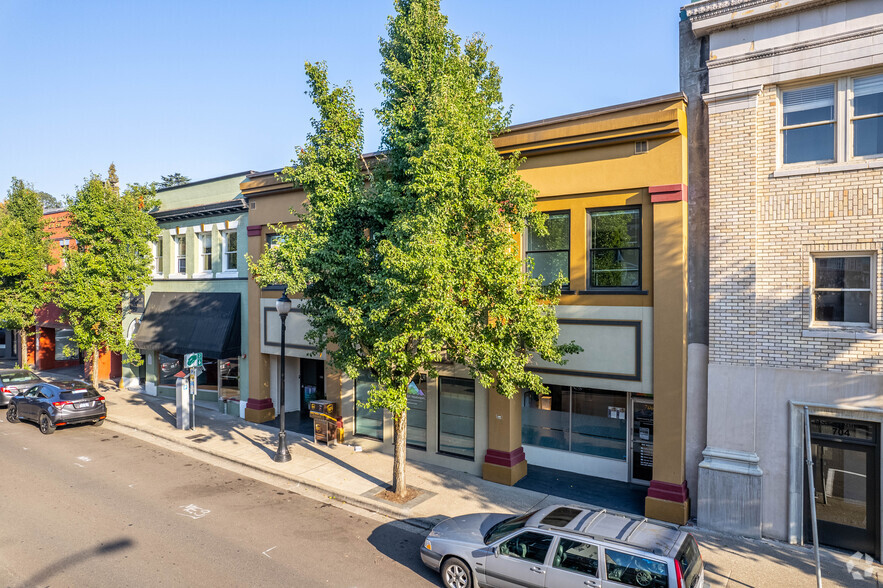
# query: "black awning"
x,y
191,322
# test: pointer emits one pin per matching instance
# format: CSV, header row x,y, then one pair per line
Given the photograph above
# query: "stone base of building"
x,y
259,410
730,492
667,502
504,467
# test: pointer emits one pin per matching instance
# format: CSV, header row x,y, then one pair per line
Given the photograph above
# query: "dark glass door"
x,y
312,384
642,440
845,475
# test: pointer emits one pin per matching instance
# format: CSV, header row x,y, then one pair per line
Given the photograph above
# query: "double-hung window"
x,y
157,257
205,252
615,248
551,252
180,254
843,290
228,240
808,124
867,116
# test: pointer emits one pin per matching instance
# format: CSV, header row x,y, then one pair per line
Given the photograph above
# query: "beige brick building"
x,y
793,107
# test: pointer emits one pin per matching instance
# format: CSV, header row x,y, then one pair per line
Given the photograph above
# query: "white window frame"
x,y
177,240
155,247
201,240
872,304
224,252
844,144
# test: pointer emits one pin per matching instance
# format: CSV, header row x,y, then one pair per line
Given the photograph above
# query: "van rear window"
x,y
79,394
690,562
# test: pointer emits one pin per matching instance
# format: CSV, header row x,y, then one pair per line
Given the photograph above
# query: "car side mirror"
x,y
497,551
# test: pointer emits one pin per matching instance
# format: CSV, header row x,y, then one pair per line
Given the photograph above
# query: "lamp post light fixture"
x,y
283,307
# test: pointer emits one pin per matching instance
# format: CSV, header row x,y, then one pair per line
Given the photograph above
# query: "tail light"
x,y
62,403
100,399
5,390
679,574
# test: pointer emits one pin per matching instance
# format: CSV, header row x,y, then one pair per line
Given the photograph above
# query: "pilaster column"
x,y
504,461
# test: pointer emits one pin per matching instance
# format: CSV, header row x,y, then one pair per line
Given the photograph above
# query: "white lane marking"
x,y
79,465
271,549
84,458
25,448
193,511
131,485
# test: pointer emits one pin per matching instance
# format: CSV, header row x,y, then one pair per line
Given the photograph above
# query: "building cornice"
x,y
709,16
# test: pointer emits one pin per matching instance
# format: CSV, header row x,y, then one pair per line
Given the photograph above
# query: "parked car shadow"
x,y
400,541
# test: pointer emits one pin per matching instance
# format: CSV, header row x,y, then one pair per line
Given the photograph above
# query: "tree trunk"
x,y
400,441
23,348
95,367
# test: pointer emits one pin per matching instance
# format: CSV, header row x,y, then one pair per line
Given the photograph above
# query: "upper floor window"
x,y
180,253
842,290
813,126
229,240
615,248
157,257
867,116
808,124
205,252
551,253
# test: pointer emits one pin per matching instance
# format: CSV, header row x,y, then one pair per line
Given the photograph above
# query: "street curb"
x,y
390,511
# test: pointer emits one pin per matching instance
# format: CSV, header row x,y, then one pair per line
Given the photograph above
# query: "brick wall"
x,y
763,232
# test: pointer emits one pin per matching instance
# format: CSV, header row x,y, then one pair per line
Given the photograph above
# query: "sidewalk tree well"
x,y
411,260
111,262
25,284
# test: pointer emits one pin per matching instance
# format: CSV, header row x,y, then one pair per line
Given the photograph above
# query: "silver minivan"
x,y
562,546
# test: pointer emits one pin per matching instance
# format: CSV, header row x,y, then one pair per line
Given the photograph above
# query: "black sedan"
x,y
13,380
56,404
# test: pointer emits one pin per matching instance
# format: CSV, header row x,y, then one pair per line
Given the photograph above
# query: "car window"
x,y
634,570
33,392
576,556
690,561
507,526
18,377
530,546
560,517
79,394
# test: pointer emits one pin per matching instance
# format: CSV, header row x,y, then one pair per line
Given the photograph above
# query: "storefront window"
x,y
169,365
574,419
456,426
63,340
2,339
417,412
229,378
369,423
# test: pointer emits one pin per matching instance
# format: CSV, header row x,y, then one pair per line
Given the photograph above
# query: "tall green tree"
x,y
110,262
49,201
171,180
412,261
25,283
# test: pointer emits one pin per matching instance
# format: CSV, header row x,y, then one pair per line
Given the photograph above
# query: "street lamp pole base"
x,y
282,453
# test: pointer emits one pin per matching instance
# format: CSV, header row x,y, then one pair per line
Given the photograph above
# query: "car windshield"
x,y
18,377
506,526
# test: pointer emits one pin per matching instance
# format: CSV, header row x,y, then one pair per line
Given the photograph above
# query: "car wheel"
x,y
12,414
456,574
98,423
46,426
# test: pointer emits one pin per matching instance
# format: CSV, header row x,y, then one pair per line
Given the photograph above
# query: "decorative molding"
x,y
795,47
254,230
713,8
668,491
259,403
506,459
714,15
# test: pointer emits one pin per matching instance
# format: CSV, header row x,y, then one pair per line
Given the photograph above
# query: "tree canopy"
x,y
110,262
24,257
410,260
171,180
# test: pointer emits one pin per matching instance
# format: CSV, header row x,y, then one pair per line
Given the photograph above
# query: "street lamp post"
x,y
283,306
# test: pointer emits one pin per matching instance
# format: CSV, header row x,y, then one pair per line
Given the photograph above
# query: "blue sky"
x,y
208,88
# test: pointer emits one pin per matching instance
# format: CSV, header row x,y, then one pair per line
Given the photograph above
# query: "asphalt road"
x,y
91,507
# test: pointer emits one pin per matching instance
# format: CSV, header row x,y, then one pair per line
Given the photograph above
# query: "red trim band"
x,y
668,491
254,230
259,403
507,459
668,193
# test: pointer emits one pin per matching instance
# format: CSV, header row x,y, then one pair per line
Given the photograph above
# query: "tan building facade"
x,y
794,105
612,182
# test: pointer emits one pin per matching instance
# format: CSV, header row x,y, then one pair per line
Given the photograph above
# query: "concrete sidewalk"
x,y
345,476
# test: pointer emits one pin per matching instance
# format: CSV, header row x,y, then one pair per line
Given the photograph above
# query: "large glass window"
x,y
581,420
634,570
169,365
157,257
229,240
180,254
867,116
551,253
615,248
65,347
808,124
417,412
456,419
842,290
205,252
369,423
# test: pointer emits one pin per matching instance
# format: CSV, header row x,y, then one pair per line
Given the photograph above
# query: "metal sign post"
x,y
812,496
194,362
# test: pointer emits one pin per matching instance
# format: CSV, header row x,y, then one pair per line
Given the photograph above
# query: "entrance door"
x,y
312,384
845,475
642,440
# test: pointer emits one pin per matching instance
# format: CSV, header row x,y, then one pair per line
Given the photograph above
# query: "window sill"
x,y
157,277
616,291
827,168
202,275
228,274
456,456
177,276
842,334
